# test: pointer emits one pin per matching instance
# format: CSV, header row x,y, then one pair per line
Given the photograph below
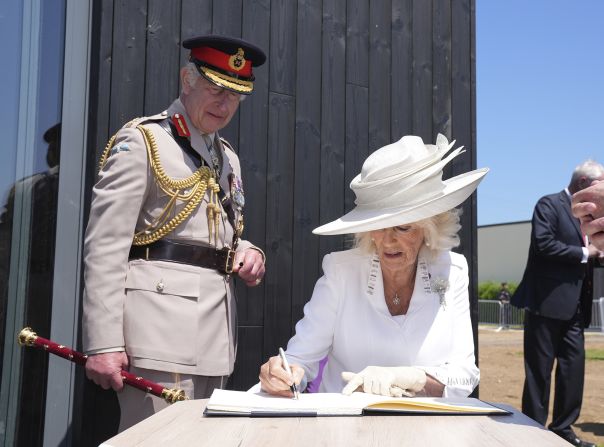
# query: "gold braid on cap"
x,y
238,85
197,184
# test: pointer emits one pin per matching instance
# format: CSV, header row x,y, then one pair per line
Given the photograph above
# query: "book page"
x,y
433,404
226,401
321,403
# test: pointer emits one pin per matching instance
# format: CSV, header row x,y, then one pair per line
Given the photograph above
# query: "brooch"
x,y
440,286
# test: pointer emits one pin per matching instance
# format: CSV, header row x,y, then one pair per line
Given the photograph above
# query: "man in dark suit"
x,y
556,292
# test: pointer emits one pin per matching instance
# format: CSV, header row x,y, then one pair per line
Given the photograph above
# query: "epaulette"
x,y
144,119
129,125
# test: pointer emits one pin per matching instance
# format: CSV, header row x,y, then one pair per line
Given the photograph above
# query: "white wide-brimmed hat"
x,y
402,183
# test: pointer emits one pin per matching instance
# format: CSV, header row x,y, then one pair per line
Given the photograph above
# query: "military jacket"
x,y
168,316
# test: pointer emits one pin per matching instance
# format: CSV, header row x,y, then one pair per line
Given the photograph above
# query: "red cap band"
x,y
235,63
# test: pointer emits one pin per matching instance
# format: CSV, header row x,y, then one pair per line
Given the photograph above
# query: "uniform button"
x,y
160,286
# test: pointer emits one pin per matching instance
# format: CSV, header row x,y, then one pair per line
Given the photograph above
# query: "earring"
x,y
427,244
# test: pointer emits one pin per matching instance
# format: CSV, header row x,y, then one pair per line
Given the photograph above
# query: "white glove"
x,y
393,381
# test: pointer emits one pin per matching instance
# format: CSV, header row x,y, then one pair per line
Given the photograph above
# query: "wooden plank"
x,y
463,105
100,83
357,42
463,91
306,262
128,62
253,140
249,358
279,221
253,146
333,130
99,415
163,53
196,20
379,74
441,63
226,20
402,69
422,70
283,47
357,136
226,17
99,412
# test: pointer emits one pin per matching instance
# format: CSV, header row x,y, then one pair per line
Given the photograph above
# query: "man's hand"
x,y
387,381
588,207
105,369
588,204
593,251
249,265
594,229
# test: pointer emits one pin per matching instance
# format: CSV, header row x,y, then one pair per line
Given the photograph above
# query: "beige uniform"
x,y
168,316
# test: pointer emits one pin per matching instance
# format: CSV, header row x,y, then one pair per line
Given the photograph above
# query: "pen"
x,y
293,387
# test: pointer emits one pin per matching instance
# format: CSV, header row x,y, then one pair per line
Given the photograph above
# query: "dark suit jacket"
x,y
555,281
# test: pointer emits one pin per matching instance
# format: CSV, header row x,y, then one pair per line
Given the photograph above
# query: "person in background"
x,y
556,293
504,299
31,210
391,315
164,238
588,206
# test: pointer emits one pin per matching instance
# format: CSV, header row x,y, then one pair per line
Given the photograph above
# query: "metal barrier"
x,y
496,313
489,312
597,312
504,315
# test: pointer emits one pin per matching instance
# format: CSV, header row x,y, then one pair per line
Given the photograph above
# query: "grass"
x,y
594,354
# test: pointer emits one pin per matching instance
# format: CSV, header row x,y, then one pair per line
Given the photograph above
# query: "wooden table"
x,y
182,424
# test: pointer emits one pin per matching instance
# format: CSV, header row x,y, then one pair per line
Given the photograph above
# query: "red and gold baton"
x,y
28,337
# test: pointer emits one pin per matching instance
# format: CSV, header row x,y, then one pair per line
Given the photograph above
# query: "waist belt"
x,y
207,257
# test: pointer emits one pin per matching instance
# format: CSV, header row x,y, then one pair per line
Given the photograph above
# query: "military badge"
x,y
121,147
237,191
237,61
181,125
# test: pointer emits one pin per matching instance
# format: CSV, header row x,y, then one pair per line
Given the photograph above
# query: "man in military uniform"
x,y
162,242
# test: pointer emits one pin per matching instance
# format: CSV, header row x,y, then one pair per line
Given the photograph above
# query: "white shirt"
x,y
348,321
585,257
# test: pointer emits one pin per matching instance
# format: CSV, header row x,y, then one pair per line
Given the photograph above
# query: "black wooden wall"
x,y
343,78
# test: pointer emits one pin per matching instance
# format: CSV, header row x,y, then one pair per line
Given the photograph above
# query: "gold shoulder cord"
x,y
109,145
197,184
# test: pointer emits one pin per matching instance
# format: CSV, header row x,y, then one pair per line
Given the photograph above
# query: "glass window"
x,y
32,35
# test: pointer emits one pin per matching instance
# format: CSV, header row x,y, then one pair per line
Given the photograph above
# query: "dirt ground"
x,y
502,378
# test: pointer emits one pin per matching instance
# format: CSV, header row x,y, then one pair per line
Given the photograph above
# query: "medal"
x,y
237,191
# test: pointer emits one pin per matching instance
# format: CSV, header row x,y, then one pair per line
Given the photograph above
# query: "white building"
x,y
503,251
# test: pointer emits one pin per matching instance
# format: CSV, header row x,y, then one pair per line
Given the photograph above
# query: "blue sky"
x,y
540,99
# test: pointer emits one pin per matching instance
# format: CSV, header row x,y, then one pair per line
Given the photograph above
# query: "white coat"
x,y
348,321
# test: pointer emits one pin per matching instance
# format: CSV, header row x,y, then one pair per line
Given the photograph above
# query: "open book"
x,y
241,403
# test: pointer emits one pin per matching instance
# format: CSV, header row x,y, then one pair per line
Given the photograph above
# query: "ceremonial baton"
x,y
27,337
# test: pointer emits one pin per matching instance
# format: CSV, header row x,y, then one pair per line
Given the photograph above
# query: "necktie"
x,y
215,155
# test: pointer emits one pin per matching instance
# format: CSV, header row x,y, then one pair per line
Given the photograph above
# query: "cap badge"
x,y
237,61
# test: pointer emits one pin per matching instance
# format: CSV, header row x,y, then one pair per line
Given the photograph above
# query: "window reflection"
x,y
30,211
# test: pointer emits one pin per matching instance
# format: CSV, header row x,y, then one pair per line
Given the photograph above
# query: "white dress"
x,y
348,321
